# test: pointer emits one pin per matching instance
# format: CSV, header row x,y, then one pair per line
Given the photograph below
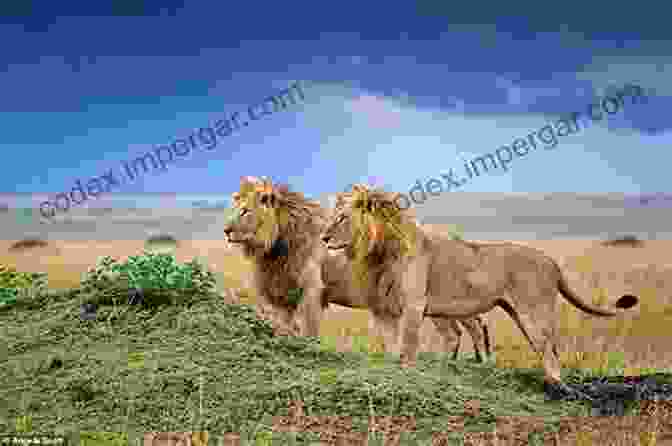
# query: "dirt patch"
x,y
655,420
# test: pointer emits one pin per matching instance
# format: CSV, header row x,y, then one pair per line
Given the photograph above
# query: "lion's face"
x,y
367,222
252,213
341,231
338,232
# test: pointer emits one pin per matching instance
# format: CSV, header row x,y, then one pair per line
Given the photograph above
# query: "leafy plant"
x,y
15,284
148,273
24,424
8,296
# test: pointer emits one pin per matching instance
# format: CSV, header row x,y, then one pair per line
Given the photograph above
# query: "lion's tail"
x,y
623,303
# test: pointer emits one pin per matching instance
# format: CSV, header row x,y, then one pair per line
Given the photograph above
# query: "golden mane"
x,y
281,237
382,232
294,218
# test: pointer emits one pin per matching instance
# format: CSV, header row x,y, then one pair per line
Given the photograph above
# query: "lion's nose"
x,y
228,230
326,238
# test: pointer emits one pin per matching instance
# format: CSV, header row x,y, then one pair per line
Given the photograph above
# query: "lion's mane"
x,y
296,221
383,235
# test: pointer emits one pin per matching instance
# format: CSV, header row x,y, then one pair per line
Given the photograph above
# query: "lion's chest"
x,y
278,285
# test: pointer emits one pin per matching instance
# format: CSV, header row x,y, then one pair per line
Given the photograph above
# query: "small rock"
x,y
136,296
87,311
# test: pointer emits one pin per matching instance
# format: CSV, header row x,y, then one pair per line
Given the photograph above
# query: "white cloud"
x,y
403,143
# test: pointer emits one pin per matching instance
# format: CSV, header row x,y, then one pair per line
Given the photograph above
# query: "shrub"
x,y
625,240
15,284
161,239
155,275
28,243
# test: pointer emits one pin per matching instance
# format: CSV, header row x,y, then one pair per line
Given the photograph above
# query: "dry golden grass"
x,y
595,270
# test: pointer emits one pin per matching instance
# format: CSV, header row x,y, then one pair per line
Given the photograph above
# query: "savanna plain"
x,y
207,362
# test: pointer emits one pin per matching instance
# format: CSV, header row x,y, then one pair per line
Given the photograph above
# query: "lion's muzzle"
x,y
331,244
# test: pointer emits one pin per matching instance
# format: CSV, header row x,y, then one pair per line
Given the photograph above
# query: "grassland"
x,y
213,366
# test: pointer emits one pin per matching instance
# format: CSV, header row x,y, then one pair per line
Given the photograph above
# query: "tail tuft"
x,y
627,301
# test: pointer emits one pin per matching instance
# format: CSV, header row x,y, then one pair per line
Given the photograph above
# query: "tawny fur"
x,y
341,289
275,276
448,279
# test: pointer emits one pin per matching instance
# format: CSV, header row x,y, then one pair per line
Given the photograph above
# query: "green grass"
x,y
218,368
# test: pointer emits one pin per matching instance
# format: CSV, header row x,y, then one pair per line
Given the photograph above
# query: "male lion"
x,y
278,230
414,275
341,289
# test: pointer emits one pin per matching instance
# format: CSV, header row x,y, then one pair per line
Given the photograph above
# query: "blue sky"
x,y
400,92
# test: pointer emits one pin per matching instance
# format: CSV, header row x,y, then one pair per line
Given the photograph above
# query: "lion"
x,y
278,231
342,290
414,274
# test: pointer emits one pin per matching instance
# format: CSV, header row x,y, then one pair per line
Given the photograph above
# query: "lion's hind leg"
x,y
478,330
541,333
451,335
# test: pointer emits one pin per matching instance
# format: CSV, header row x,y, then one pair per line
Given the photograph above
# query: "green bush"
x,y
15,284
151,273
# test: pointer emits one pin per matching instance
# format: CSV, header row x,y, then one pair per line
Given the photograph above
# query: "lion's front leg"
x,y
310,309
410,323
387,326
413,294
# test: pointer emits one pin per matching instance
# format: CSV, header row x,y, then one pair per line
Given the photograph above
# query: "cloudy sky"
x,y
400,91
